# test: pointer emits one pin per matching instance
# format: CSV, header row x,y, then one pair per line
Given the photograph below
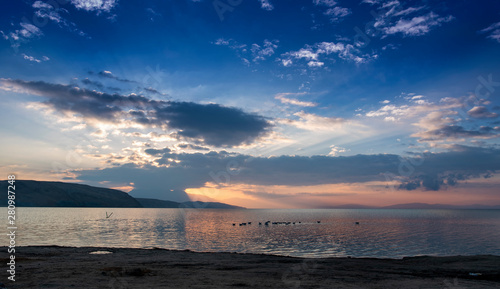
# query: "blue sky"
x,y
187,94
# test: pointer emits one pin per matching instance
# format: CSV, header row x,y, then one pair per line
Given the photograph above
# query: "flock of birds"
x,y
278,223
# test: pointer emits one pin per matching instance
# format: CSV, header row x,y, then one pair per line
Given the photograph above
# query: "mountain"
x,y
416,206
348,206
154,203
209,205
58,194
439,206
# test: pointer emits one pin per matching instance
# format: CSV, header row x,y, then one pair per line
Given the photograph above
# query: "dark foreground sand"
x,y
67,267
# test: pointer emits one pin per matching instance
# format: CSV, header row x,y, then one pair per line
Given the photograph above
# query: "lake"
x,y
380,233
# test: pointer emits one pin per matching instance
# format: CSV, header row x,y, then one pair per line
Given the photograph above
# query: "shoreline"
x,y
75,267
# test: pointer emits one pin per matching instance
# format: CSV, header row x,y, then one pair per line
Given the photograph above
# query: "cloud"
x,y
337,13
313,53
154,152
392,17
481,112
262,52
453,132
256,52
450,168
210,124
438,123
390,110
493,30
283,98
213,124
33,59
266,5
95,5
417,26
192,147
267,195
328,3
309,121
152,14
51,12
26,32
110,75
45,10
179,171
335,150
315,63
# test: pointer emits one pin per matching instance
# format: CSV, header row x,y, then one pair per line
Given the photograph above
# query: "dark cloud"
x,y
88,103
98,85
481,112
457,131
152,90
154,152
210,124
89,82
214,124
192,147
448,169
430,171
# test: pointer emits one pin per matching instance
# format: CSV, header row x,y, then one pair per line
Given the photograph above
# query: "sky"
x,y
256,103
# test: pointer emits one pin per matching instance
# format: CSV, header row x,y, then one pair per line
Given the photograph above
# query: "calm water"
x,y
381,233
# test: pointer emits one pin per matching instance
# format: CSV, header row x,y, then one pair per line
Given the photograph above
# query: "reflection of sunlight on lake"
x,y
381,233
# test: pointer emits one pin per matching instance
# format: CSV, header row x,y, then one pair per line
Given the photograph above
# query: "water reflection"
x,y
380,233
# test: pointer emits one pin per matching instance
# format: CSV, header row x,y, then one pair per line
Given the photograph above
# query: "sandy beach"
x,y
70,267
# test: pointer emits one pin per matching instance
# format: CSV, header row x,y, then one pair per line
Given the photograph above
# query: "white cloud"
x,y
315,63
328,3
284,99
266,5
24,34
256,52
306,53
95,5
33,59
330,47
221,41
389,110
286,62
313,53
392,17
493,30
417,26
335,150
261,52
337,13
313,122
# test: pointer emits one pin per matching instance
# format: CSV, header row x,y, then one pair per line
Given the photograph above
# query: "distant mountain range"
x,y
440,206
418,206
154,203
59,194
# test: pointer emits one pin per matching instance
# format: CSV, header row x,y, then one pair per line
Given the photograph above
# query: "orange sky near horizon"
x,y
369,194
